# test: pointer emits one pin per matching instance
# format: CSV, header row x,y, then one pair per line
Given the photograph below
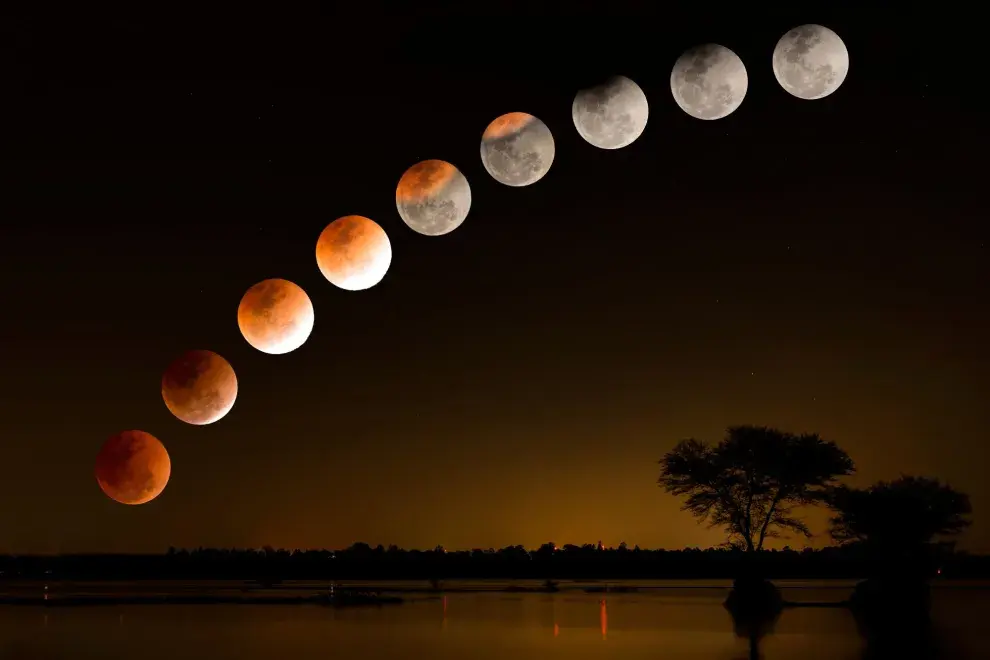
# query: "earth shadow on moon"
x,y
353,253
133,467
517,149
199,387
433,197
275,316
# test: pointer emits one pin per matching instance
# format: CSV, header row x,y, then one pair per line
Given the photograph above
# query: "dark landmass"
x,y
362,562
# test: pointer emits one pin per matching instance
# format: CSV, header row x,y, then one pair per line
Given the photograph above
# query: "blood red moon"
x,y
353,253
275,316
133,467
199,387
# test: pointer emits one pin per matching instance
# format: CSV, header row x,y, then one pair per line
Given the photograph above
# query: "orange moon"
x,y
275,316
133,467
199,387
353,253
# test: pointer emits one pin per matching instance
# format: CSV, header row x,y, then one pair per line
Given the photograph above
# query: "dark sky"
x,y
817,266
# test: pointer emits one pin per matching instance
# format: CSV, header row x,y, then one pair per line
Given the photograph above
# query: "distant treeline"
x,y
361,561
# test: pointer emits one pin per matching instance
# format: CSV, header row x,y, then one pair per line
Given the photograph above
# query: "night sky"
x,y
817,266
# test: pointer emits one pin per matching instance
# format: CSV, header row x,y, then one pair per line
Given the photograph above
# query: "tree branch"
x,y
770,512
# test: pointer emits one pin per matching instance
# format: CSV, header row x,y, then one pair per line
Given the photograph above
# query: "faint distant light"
x,y
938,571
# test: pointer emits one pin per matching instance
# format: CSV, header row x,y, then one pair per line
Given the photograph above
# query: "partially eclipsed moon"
x,y
353,253
709,81
611,115
810,62
433,197
275,316
199,387
133,467
517,149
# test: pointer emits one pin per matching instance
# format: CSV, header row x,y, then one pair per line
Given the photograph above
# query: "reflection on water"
x,y
672,624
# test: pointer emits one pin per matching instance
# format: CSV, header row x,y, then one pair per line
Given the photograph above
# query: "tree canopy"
x,y
902,514
753,480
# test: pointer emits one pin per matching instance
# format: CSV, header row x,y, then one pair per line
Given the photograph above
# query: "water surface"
x,y
671,621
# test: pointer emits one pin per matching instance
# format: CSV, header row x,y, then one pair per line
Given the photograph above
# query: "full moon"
x,y
709,81
353,253
133,467
517,149
275,316
199,387
611,115
433,197
810,62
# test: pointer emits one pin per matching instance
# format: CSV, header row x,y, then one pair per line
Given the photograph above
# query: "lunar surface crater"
x,y
611,115
353,253
275,316
199,387
709,81
133,467
433,197
810,62
517,149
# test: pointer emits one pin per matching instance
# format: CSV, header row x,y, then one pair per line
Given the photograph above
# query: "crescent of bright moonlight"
x,y
275,316
199,387
433,197
611,115
353,253
709,81
810,62
517,149
133,467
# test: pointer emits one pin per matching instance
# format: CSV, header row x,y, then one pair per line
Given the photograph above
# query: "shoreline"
x,y
359,600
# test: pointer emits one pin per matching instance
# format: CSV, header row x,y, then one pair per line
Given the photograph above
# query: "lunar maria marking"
x,y
433,197
517,149
709,81
353,253
611,115
133,467
199,387
810,62
275,316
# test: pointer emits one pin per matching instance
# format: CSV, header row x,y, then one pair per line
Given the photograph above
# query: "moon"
x,y
353,253
133,467
275,316
433,197
709,81
611,115
199,387
517,149
810,62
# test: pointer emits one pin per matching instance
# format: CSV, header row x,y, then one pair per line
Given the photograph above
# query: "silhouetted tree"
x,y
752,481
896,522
898,516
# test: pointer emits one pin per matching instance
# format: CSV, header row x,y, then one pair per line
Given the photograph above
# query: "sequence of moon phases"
x,y
133,467
275,316
810,62
199,387
517,149
611,115
709,81
433,197
353,253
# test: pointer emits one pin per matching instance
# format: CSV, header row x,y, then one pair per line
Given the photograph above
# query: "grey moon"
x,y
517,149
709,81
810,62
433,197
611,115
